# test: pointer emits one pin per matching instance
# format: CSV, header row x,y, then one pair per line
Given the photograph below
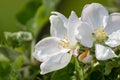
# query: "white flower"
x,y
53,51
97,24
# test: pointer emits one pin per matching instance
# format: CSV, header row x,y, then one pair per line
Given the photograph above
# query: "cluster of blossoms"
x,y
94,35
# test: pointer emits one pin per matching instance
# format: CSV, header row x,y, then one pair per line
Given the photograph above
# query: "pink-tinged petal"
x,y
76,52
94,15
104,53
113,23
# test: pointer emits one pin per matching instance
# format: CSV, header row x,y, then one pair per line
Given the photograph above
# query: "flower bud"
x,y
85,57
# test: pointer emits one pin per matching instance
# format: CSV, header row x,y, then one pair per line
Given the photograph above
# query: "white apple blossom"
x,y
55,52
97,24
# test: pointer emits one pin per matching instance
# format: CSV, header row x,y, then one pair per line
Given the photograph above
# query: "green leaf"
x,y
3,58
114,75
35,25
15,68
64,74
109,66
35,14
5,69
96,75
34,72
28,11
17,38
8,52
41,17
51,3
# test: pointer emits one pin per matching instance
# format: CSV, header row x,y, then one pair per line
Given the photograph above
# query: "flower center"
x,y
64,42
100,34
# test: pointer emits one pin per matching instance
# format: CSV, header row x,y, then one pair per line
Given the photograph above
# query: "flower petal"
x,y
113,39
113,23
76,52
72,24
61,16
57,28
104,53
94,14
46,48
56,62
84,34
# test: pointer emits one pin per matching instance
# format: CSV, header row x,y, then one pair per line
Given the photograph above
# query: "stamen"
x,y
64,42
100,35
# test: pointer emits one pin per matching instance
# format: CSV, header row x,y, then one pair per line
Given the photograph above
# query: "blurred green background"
x,y
9,9
32,16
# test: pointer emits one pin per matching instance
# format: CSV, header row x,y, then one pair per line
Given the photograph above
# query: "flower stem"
x,y
79,71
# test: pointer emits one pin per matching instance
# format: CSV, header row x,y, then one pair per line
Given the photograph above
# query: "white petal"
x,y
46,48
113,39
94,14
56,62
57,28
72,24
104,53
84,34
113,23
105,20
61,16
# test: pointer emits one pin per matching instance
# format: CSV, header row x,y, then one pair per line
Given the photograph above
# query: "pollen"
x,y
64,42
100,35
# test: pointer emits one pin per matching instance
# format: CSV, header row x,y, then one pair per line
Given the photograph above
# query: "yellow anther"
x,y
64,42
100,35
